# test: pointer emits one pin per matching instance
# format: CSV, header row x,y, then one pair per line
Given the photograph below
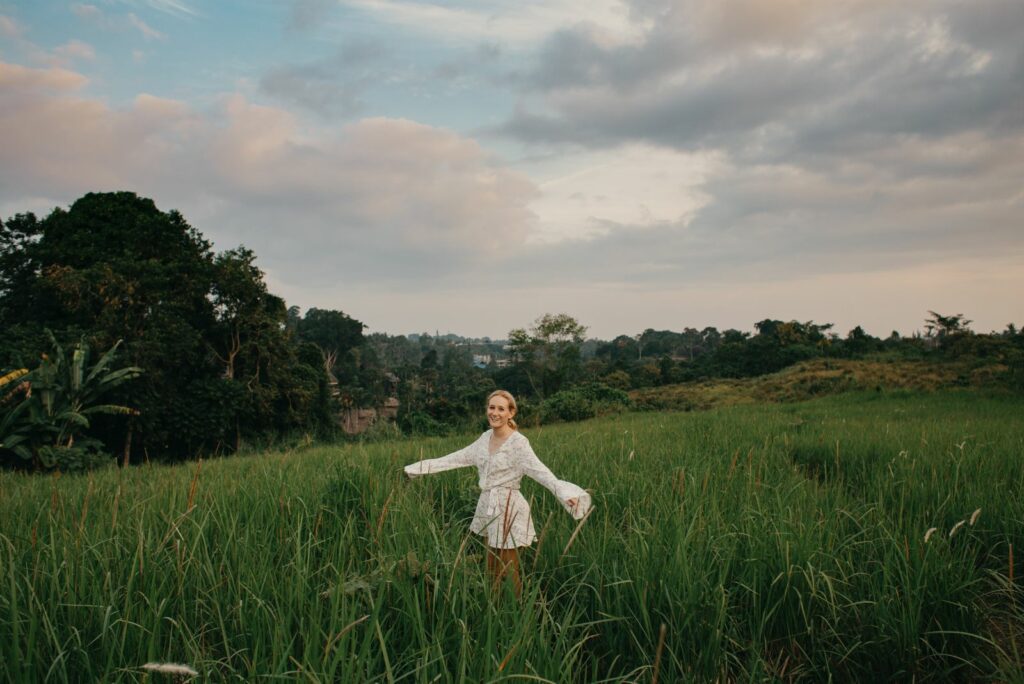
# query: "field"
x,y
747,543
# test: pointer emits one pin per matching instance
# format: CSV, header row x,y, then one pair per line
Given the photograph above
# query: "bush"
x,y
582,402
422,424
86,454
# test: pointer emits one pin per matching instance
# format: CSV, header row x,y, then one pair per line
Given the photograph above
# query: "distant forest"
x,y
127,337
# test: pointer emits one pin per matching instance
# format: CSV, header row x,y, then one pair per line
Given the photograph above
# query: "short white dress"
x,y
502,512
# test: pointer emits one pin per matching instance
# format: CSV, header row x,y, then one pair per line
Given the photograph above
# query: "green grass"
x,y
774,542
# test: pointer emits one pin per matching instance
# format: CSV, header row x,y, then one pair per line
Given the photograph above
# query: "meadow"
x,y
869,536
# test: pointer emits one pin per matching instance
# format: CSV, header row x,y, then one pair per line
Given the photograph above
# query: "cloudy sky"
x,y
469,165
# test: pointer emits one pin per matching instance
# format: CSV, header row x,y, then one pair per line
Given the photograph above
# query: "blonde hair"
x,y
511,404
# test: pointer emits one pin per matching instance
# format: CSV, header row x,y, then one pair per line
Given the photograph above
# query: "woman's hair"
x,y
511,404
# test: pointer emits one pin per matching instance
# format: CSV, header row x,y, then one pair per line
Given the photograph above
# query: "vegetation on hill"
x,y
223,362
810,379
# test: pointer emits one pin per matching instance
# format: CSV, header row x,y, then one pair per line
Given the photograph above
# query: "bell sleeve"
x,y
563,491
456,459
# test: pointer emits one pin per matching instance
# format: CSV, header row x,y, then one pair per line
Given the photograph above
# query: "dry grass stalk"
x,y
344,630
455,565
115,507
193,486
579,526
85,506
657,654
384,512
507,657
540,540
1010,575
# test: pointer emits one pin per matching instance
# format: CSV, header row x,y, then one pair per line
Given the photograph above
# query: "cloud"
x,y
484,55
380,200
145,29
84,11
731,86
330,87
633,187
9,28
116,22
172,7
75,50
308,14
19,80
517,23
846,136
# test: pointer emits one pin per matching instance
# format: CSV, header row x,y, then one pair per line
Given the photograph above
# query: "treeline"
x,y
126,336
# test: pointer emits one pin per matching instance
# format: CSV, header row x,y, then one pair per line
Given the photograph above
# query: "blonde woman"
x,y
502,456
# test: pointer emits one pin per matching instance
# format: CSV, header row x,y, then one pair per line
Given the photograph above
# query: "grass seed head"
x,y
974,516
929,533
174,669
956,527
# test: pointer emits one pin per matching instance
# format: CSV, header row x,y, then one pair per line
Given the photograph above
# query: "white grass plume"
x,y
929,533
956,527
171,669
974,516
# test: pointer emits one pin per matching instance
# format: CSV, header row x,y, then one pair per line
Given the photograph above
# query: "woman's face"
x,y
498,412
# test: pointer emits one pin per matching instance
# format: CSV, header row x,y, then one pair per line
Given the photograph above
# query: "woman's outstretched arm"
x,y
456,459
574,499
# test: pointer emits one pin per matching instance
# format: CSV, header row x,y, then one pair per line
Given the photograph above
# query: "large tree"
x,y
549,352
210,338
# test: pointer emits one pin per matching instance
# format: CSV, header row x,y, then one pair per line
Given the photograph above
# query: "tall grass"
x,y
771,542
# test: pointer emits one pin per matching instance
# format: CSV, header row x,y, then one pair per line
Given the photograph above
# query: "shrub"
x,y
582,402
423,424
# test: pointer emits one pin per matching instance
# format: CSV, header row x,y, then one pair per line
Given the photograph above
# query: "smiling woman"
x,y
502,456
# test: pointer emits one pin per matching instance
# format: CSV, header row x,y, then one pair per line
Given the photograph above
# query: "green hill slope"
x,y
819,377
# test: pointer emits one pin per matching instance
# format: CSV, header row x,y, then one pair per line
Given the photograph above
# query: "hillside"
x,y
816,378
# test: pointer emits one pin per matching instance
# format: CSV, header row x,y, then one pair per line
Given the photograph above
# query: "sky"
x,y
467,166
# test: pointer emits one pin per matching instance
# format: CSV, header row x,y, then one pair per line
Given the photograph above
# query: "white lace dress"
x,y
502,512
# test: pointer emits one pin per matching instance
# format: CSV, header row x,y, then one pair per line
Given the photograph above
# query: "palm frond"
x,y
119,376
75,417
102,364
111,410
12,376
78,360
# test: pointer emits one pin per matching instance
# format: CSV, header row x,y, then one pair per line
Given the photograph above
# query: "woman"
x,y
502,456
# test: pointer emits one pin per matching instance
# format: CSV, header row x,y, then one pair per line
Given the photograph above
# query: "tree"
x,y
335,334
549,353
115,267
214,343
859,342
940,327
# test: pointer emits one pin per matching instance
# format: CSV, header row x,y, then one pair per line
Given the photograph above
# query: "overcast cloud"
x,y
470,166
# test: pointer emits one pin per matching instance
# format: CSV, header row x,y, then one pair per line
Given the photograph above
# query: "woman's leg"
x,y
502,562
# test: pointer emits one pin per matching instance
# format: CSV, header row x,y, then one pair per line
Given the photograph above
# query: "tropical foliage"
x,y
64,394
